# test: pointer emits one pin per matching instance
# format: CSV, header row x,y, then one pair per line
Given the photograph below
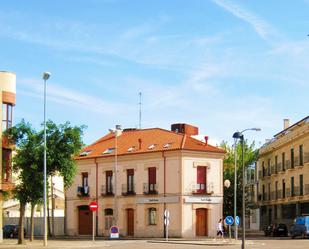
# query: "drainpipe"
x,y
164,190
96,196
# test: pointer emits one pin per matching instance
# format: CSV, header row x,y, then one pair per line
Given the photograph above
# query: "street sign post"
x,y
93,206
166,221
237,220
229,220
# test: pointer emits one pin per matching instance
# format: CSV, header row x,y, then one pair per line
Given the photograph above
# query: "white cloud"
x,y
262,28
68,97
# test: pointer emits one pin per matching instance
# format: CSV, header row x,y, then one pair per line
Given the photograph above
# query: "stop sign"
x,y
93,206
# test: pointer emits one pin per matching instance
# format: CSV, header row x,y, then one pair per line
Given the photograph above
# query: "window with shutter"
x,y
201,179
152,178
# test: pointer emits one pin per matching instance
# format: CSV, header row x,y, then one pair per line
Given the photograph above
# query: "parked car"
x,y
300,227
276,230
280,230
11,231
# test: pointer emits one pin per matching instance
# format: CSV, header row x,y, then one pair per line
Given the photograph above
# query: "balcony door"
x,y
201,179
152,179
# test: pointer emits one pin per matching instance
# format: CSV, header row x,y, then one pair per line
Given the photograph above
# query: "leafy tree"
x,y
30,176
63,143
250,157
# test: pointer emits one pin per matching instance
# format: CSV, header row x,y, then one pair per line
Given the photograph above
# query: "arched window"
x,y
152,216
108,218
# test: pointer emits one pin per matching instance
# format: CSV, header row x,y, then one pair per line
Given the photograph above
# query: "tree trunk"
x,y
48,220
21,239
32,222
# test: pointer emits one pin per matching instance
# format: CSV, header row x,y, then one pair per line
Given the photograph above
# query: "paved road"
x,y
154,244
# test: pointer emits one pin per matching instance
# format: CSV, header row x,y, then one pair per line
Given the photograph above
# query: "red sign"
x,y
93,206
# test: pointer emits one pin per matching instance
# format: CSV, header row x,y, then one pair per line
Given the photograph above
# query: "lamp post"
x,y
46,76
240,136
117,133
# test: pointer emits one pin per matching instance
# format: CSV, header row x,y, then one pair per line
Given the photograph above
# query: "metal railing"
x,y
280,167
150,188
107,190
203,188
306,189
287,164
288,192
128,189
306,157
83,191
279,194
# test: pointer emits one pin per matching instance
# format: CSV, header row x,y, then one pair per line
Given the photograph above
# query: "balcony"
x,y
279,194
202,189
83,191
287,164
306,157
306,189
260,174
107,190
127,189
288,192
150,189
280,169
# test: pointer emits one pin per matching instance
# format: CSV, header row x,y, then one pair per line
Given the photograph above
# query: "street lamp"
x,y
46,76
117,132
240,136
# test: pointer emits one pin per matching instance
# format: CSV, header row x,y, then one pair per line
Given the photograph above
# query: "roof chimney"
x,y
187,129
206,140
286,123
139,143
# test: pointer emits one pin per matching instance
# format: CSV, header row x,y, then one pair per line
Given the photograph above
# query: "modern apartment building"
x,y
136,174
283,175
7,97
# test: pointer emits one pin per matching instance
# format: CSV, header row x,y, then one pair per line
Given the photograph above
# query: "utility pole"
x,y
140,110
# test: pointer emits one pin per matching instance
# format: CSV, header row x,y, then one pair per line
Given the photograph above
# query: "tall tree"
x,y
63,143
250,157
30,176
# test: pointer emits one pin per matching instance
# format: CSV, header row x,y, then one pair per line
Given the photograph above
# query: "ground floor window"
x,y
152,216
108,218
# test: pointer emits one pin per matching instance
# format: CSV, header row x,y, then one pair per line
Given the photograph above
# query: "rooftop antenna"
x,y
140,110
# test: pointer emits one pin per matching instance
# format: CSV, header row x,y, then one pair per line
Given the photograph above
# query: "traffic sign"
x,y
166,217
229,220
237,220
114,232
93,206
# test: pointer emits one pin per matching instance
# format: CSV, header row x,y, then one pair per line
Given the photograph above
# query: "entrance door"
x,y
130,222
84,220
201,222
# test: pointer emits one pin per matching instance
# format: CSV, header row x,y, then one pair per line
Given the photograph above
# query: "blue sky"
x,y
220,65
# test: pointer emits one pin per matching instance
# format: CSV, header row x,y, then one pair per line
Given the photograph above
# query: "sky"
x,y
220,65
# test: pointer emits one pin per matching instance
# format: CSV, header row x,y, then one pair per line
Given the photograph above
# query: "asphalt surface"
x,y
265,243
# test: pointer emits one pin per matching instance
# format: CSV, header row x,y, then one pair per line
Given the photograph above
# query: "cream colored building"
x,y
7,97
157,170
283,166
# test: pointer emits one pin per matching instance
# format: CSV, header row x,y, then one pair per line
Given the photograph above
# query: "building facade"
x,y
283,172
135,175
7,98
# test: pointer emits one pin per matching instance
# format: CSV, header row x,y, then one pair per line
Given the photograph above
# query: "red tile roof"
x,y
157,137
